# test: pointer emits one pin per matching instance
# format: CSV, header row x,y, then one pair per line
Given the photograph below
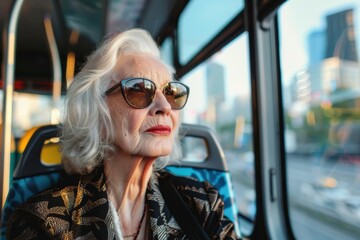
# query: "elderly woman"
x,y
121,121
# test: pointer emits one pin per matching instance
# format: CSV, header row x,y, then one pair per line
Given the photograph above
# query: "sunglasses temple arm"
x,y
110,90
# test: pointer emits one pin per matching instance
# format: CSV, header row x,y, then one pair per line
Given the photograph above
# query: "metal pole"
x,y
9,72
56,65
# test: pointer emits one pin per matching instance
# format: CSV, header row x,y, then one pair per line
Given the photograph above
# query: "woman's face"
x,y
147,132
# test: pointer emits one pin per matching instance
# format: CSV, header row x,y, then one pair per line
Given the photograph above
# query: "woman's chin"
x,y
155,153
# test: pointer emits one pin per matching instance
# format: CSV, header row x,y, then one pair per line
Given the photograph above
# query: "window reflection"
x,y
32,110
166,51
197,27
322,102
194,149
220,99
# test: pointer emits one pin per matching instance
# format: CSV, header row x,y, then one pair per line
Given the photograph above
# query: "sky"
x,y
296,20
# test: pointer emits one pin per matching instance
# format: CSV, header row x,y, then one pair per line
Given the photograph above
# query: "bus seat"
x,y
13,160
50,154
203,159
33,175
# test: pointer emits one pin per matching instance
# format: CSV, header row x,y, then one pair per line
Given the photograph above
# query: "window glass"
x,y
220,98
166,51
87,17
321,85
31,110
194,149
198,24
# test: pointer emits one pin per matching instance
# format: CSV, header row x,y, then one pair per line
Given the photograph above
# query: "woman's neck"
x,y
126,182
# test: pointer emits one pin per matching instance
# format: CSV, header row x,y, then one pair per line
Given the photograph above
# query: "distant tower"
x,y
215,87
316,43
340,36
215,82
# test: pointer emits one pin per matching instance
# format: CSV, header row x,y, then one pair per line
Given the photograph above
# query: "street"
x,y
324,196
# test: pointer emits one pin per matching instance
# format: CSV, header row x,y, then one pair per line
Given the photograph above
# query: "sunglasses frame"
x,y
121,86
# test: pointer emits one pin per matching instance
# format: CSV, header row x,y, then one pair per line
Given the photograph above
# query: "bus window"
x,y
201,21
194,149
220,98
321,86
166,51
33,110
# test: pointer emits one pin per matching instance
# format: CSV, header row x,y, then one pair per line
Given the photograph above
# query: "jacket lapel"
x,y
91,216
92,219
163,225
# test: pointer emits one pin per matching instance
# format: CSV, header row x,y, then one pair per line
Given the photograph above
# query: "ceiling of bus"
x,y
78,26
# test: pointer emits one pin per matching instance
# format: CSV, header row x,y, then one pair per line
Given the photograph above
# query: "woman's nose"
x,y
160,105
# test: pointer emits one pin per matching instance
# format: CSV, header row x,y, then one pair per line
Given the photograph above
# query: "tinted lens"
x,y
138,92
176,94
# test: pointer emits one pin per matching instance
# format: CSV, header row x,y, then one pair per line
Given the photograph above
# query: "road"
x,y
316,211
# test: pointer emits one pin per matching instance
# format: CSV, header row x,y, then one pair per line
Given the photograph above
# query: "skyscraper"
x,y
316,43
340,36
215,87
215,81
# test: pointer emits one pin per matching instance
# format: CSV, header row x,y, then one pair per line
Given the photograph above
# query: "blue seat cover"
x,y
21,190
219,179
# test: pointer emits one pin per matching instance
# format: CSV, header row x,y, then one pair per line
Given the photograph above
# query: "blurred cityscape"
x,y
322,136
321,103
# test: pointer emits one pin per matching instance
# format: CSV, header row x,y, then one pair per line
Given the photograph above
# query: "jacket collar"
x,y
162,223
92,206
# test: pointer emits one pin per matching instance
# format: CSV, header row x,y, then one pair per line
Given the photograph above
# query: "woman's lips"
x,y
160,129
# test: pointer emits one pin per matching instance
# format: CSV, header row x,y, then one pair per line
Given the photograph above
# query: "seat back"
x,y
49,152
30,175
42,145
203,160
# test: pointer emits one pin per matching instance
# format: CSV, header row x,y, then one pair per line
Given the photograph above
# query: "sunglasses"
x,y
140,92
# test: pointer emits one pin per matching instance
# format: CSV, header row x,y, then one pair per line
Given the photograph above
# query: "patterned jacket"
x,y
80,210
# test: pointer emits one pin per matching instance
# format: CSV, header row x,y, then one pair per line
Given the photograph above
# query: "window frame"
x,y
272,217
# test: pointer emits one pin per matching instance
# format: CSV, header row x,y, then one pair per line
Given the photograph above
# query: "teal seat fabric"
x,y
219,179
21,190
13,163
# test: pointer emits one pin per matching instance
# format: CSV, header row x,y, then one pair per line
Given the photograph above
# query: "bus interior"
x,y
276,83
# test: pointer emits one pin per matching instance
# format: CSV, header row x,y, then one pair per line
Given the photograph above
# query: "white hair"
x,y
87,127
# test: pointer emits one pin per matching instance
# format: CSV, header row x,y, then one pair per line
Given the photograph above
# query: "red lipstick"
x,y
160,129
